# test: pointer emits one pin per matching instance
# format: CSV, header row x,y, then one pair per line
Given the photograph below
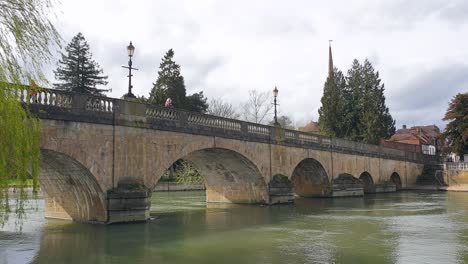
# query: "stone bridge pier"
x,y
102,158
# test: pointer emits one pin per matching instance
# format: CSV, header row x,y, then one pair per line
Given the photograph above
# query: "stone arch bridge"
x,y
102,157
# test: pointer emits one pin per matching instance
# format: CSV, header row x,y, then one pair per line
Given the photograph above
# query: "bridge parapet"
x,y
61,105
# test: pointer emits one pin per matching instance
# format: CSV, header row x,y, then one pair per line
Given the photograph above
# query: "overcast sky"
x,y
226,48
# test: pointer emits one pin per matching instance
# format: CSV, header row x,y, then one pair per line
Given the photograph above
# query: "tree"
x,y
77,71
354,107
284,122
223,109
170,84
196,103
331,113
375,121
258,107
456,131
27,39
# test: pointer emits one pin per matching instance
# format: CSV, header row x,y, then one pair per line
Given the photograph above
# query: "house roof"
x,y
310,127
417,135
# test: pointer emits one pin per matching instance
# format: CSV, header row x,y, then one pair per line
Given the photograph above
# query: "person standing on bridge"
x,y
168,103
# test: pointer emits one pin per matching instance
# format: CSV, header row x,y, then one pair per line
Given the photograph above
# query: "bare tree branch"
x,y
258,107
220,108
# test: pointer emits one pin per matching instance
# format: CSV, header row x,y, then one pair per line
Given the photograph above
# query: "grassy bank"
x,y
26,183
183,172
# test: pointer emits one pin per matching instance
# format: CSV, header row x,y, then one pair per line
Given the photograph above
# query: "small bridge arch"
x,y
310,179
396,179
368,182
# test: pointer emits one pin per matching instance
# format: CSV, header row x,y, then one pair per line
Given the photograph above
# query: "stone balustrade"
x,y
57,104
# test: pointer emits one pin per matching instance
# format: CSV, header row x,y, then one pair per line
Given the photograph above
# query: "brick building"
x,y
427,139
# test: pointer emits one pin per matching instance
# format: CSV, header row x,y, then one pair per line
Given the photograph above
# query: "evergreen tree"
x,y
354,107
170,84
456,132
331,112
353,102
77,71
368,118
197,103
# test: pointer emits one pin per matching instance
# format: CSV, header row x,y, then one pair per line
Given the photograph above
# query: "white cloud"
x,y
226,48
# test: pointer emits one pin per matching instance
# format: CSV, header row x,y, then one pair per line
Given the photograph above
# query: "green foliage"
x,y
170,84
332,111
27,38
184,172
19,182
354,107
196,103
456,132
77,71
19,148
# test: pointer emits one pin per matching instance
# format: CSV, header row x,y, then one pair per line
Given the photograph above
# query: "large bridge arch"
x,y
71,187
229,176
310,179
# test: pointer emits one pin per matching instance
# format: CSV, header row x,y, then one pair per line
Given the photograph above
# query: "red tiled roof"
x,y
311,127
417,135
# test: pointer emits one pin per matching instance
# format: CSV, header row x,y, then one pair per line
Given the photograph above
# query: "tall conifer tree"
x,y
354,107
77,71
367,117
170,84
332,110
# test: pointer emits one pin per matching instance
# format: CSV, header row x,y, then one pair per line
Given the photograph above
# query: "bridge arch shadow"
x,y
309,179
395,178
70,190
368,182
229,177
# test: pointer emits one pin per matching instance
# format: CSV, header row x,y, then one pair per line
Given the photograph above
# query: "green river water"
x,y
404,227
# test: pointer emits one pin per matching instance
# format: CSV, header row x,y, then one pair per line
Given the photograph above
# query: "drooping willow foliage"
x,y
27,40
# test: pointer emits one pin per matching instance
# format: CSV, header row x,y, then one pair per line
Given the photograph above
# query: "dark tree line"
x,y
353,106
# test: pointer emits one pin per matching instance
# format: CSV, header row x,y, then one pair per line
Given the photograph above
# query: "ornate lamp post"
x,y
275,94
130,51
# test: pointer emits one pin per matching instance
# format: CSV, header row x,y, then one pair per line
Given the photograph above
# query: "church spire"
x,y
330,59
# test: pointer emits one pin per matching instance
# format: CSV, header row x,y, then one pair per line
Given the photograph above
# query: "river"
x,y
404,227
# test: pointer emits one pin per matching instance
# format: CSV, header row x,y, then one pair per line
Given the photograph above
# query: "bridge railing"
x,y
463,166
98,107
45,97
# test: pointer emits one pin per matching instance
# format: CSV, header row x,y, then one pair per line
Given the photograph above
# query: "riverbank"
x,y
178,187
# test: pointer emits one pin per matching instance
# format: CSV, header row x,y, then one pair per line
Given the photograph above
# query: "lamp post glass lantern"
x,y
275,94
130,52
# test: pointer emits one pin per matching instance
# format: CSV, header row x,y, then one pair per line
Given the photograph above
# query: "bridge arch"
x,y
228,176
70,186
368,182
395,178
310,179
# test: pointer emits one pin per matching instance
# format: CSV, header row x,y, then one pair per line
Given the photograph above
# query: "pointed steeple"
x,y
330,59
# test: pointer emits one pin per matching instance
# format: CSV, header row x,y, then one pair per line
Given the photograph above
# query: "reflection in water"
x,y
406,227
